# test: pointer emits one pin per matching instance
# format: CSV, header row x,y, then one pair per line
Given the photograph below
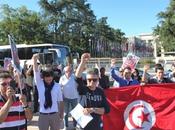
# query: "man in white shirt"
x,y
70,93
50,98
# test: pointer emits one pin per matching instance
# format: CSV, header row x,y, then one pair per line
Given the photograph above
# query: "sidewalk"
x,y
34,124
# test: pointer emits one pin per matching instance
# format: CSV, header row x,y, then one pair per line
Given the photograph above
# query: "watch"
x,y
94,110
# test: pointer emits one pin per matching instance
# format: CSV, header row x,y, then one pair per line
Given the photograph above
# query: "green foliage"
x,y
25,25
69,22
166,27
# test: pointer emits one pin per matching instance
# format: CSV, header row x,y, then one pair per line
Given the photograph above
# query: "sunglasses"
x,y
94,80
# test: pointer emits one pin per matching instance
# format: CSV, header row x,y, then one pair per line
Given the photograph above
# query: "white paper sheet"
x,y
80,117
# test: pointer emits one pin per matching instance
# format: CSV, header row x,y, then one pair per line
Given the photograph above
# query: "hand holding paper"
x,y
80,117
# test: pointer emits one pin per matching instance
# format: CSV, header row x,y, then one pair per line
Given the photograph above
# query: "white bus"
x,y
59,53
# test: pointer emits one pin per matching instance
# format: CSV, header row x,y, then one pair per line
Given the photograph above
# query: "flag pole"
x,y
15,60
20,83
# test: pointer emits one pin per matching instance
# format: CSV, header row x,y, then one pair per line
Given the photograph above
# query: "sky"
x,y
133,17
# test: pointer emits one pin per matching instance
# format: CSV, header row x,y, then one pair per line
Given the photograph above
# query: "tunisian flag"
x,y
149,107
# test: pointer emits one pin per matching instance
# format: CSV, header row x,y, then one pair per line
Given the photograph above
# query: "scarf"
x,y
48,97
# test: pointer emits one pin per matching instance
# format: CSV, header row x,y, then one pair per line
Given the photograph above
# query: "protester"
x,y
104,79
171,75
57,72
14,110
30,81
10,68
159,77
50,98
116,83
135,75
95,102
126,80
70,93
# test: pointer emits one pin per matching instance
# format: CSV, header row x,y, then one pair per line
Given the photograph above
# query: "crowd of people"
x,y
54,92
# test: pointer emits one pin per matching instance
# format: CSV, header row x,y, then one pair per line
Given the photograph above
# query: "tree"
x,y
166,27
107,40
25,25
70,22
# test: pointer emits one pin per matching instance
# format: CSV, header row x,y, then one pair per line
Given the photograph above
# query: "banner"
x,y
149,107
130,61
14,53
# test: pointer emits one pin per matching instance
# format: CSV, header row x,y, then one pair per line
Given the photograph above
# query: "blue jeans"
x,y
69,104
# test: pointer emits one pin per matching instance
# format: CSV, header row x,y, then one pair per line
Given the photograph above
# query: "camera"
x,y
13,84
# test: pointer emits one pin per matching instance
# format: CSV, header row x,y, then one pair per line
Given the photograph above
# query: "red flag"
x,y
149,107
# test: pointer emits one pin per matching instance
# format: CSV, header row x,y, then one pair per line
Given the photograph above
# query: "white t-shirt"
x,y
55,93
69,87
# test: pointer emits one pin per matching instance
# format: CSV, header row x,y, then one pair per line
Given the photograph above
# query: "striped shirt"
x,y
16,117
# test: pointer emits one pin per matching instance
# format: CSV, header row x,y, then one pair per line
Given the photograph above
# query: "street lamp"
x,y
90,45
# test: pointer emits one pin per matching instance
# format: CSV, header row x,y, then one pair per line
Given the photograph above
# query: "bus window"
x,y
49,58
26,52
1,55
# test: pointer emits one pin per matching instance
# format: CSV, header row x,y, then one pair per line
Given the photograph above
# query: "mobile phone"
x,y
13,84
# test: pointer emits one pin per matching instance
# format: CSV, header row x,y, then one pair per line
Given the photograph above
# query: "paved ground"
x,y
33,125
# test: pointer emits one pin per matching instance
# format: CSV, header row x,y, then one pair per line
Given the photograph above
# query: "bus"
x,y
52,53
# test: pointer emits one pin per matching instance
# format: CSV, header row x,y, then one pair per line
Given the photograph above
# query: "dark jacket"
x,y
156,81
104,81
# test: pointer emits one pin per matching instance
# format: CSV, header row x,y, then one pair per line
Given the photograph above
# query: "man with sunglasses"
x,y
14,110
95,102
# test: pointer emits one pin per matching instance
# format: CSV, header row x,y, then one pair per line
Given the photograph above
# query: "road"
x,y
33,125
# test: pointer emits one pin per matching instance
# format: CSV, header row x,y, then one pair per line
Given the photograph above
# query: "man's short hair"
x,y
102,69
5,74
158,65
93,71
159,68
128,68
47,72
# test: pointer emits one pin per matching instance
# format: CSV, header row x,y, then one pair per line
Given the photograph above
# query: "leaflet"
x,y
79,116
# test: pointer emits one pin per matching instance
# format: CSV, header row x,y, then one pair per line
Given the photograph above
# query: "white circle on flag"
x,y
139,115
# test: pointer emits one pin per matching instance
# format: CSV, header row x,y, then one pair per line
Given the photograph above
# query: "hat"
x,y
47,72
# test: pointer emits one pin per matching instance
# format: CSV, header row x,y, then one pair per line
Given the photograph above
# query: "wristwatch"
x,y
94,110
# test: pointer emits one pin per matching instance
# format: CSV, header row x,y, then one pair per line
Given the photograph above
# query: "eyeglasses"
x,y
94,80
5,84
